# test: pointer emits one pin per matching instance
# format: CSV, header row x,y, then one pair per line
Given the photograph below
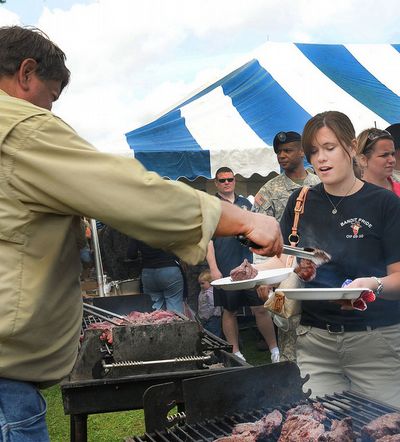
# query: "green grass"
x,y
114,427
105,427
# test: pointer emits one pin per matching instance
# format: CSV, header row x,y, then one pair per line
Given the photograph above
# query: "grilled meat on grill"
x,y
304,423
244,271
156,317
301,428
134,318
236,438
315,410
340,431
265,428
386,425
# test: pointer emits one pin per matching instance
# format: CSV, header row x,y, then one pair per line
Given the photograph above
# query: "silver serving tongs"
x,y
102,314
317,256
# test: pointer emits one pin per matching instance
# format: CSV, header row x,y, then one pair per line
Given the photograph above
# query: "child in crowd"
x,y
209,315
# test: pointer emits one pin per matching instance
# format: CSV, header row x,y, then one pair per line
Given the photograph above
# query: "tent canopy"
x,y
233,121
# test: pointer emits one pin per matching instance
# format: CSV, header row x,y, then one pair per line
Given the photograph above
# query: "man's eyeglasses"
x,y
223,180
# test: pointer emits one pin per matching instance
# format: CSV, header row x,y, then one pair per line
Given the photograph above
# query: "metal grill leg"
x,y
78,427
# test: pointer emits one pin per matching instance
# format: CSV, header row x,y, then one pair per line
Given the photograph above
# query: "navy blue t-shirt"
x,y
362,238
229,252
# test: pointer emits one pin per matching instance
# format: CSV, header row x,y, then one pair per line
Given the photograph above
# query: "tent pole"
x,y
97,258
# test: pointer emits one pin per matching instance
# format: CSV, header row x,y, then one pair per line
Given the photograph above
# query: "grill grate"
x,y
89,319
338,406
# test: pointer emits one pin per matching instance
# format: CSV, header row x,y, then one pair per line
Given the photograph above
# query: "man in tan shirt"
x,y
49,177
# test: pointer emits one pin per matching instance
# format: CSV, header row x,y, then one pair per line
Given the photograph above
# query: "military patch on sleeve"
x,y
259,199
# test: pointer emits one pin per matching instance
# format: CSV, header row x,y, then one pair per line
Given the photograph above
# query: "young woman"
x,y
376,158
356,223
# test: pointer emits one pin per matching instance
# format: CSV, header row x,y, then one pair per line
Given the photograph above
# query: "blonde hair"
x,y
205,276
367,139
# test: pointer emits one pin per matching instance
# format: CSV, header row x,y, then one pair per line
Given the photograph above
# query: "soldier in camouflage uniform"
x,y
272,198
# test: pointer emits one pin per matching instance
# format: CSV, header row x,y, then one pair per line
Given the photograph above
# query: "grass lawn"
x,y
114,427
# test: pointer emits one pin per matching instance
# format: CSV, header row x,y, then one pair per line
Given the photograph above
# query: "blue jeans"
x,y
213,325
165,286
22,412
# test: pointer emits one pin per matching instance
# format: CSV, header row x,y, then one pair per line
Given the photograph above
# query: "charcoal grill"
x,y
243,396
108,378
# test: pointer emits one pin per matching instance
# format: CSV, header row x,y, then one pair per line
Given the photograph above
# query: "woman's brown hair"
x,y
337,122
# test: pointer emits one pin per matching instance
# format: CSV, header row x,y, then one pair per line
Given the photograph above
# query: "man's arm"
x,y
164,214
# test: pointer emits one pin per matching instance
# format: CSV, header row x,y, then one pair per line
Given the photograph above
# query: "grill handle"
x,y
157,362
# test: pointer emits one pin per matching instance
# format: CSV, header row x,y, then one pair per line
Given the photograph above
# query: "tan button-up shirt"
x,y
49,176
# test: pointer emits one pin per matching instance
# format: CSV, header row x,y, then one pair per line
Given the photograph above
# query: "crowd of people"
x,y
352,211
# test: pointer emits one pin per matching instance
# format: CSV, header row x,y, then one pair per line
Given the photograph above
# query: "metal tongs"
x,y
101,313
317,256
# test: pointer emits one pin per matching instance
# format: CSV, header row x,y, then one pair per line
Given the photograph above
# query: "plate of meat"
x,y
323,294
263,277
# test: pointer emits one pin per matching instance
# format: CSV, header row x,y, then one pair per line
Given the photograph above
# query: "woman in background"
x,y
376,158
161,276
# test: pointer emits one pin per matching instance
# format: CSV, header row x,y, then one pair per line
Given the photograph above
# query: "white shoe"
x,y
275,356
240,355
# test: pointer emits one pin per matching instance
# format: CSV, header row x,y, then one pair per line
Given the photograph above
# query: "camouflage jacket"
x,y
272,198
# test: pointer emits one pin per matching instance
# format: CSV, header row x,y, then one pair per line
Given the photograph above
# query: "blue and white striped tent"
x,y
233,121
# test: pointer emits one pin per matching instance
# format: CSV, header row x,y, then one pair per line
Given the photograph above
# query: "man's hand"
x,y
258,228
265,231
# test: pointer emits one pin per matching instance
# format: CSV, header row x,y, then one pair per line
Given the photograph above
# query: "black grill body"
x,y
91,389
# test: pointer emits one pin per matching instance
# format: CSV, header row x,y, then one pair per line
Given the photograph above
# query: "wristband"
x,y
378,291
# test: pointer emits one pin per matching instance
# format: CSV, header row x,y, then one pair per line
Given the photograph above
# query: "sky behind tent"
x,y
132,60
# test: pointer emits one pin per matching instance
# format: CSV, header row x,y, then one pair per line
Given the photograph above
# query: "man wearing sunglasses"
x,y
223,255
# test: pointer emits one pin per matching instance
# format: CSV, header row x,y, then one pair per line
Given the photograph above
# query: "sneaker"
x,y
240,355
275,356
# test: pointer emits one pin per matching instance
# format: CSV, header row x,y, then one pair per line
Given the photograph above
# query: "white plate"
x,y
327,294
273,276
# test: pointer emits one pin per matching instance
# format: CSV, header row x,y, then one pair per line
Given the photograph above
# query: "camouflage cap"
x,y
284,138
